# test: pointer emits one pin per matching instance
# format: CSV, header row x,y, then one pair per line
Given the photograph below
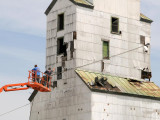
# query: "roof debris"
x,y
108,83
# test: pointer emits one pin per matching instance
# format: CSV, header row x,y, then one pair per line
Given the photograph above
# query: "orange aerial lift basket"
x,y
40,83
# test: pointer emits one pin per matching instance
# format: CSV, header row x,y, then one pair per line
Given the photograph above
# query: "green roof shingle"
x,y
120,85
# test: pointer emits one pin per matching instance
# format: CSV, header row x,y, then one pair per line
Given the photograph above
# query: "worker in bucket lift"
x,y
36,73
48,74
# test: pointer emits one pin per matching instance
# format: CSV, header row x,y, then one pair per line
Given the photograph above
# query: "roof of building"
x,y
99,82
83,3
145,18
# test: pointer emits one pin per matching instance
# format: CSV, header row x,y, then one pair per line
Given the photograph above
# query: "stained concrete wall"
x,y
72,100
94,26
117,107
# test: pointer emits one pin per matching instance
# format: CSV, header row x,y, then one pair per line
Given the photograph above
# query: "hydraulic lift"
x,y
44,84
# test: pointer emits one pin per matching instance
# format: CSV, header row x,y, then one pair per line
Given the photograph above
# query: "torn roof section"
x,y
112,84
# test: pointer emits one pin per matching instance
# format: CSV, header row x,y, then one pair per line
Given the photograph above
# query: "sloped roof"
x,y
145,18
83,3
119,85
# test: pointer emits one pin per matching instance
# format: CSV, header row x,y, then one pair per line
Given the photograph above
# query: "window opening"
x,y
142,40
59,73
105,50
115,25
61,47
60,22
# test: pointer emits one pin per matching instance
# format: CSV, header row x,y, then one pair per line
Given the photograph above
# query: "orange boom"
x,y
43,86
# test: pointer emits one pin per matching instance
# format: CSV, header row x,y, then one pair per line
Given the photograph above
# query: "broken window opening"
x,y
60,22
63,61
61,47
65,46
54,84
105,49
74,35
71,48
142,40
146,75
115,25
59,73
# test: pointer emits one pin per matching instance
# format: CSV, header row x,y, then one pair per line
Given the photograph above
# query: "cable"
x,y
14,109
75,68
55,73
127,51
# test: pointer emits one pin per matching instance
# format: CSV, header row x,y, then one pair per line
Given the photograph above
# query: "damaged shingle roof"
x,y
83,3
118,85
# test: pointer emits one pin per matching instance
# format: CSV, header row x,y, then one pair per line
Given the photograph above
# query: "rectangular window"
x,y
59,73
71,48
115,25
142,40
105,50
60,48
60,25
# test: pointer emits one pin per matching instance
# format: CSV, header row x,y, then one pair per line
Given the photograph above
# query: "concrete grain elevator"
x,y
101,52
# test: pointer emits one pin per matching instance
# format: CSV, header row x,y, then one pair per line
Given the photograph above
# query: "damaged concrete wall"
x,y
94,27
84,31
118,107
70,100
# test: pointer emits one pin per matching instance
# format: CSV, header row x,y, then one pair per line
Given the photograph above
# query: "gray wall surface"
x,y
71,99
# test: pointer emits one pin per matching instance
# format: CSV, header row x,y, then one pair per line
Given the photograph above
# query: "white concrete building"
x,y
101,52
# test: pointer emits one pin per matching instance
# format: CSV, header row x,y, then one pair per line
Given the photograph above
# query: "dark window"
x,y
102,66
61,47
105,50
74,35
59,73
60,22
142,40
146,75
71,48
54,84
115,25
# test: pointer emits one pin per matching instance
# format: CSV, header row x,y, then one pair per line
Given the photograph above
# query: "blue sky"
x,y
22,44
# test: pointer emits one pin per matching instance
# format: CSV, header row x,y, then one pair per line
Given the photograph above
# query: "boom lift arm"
x,y
43,86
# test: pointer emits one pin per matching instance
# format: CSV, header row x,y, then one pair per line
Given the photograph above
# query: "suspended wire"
x,y
15,109
55,73
74,68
